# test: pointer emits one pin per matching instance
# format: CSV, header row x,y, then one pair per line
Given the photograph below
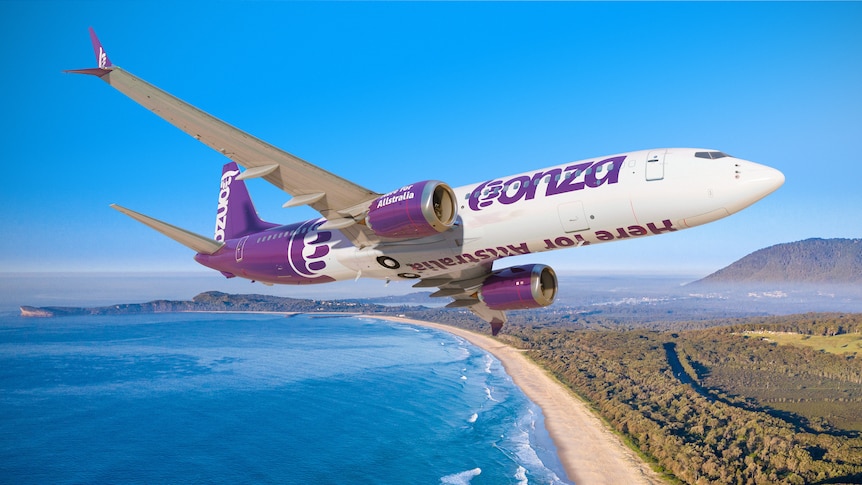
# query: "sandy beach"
x,y
588,450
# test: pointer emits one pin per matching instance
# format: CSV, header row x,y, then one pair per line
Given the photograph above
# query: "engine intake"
x,y
520,287
416,210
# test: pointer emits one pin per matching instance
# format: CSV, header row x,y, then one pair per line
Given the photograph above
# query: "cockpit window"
x,y
711,155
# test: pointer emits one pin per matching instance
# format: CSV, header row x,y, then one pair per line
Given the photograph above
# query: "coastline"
x,y
589,452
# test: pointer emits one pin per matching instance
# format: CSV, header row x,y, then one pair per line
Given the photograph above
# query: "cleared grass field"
x,y
836,344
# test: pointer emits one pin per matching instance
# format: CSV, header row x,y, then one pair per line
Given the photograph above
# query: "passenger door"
x,y
655,165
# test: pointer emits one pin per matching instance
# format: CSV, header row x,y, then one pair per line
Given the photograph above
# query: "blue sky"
x,y
387,93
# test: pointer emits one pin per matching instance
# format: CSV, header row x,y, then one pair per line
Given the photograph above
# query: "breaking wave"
x,y
462,478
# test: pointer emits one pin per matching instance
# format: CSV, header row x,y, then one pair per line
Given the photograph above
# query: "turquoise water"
x,y
240,398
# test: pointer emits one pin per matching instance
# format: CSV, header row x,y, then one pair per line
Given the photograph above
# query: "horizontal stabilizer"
x,y
201,244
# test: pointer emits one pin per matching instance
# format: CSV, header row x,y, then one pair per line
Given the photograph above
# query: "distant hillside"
x,y
808,261
211,301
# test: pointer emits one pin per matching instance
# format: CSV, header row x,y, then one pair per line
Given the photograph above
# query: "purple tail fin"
x,y
236,216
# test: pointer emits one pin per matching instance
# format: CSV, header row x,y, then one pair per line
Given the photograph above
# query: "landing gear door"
x,y
655,165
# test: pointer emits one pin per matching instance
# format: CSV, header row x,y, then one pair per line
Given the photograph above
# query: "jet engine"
x,y
520,287
416,210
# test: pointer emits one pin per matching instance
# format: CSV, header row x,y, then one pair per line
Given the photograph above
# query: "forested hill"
x,y
808,261
213,301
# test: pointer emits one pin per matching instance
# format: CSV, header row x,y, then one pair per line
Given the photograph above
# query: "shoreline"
x,y
589,452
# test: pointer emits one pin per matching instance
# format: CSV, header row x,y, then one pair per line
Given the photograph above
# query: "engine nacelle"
x,y
417,210
520,287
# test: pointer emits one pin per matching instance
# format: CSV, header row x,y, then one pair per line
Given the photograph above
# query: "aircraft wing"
x,y
338,200
463,288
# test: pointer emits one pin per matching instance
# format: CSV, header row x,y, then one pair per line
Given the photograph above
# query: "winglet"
x,y
102,60
101,56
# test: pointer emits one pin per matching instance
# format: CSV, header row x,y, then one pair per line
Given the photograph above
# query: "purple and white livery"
x,y
429,232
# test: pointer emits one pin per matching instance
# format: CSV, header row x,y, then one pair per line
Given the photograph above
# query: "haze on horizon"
x,y
385,93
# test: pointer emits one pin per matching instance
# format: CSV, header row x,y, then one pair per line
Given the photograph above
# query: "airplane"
x,y
428,232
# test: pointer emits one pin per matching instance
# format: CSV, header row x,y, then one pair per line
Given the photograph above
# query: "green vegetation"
x,y
833,344
823,389
812,260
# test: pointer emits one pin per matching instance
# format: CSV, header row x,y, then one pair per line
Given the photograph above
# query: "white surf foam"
x,y
488,362
524,453
521,476
462,478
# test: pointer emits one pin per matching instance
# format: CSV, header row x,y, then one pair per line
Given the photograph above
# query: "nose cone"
x,y
763,178
755,182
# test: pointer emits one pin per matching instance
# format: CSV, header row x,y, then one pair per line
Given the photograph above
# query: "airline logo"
x,y
223,197
103,58
307,249
558,181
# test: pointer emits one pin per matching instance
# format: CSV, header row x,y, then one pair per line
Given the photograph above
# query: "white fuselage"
x,y
624,196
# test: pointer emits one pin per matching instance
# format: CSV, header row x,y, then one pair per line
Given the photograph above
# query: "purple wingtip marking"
x,y
101,55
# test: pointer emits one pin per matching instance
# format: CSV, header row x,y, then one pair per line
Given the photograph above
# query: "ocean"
x,y
259,398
